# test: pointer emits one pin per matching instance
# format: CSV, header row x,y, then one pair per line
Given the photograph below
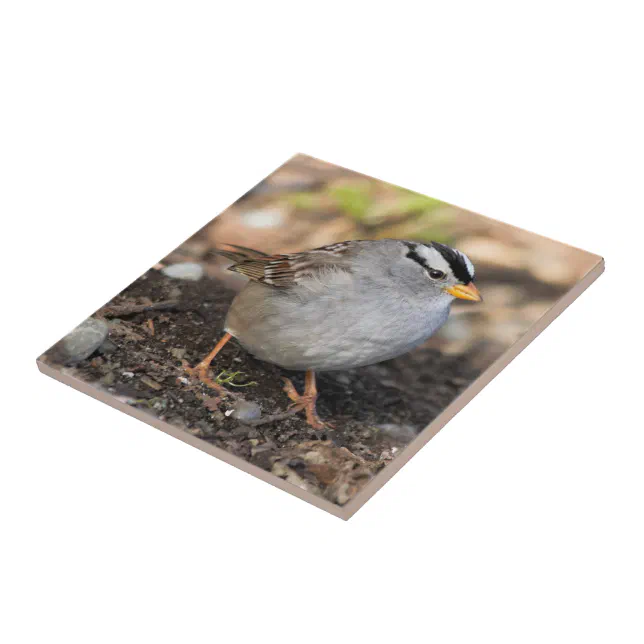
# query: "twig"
x,y
131,309
271,419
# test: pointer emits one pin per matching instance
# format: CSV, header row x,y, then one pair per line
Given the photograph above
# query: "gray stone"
x,y
245,410
184,271
83,340
107,347
404,433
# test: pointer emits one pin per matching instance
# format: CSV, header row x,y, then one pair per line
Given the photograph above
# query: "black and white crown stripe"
x,y
438,256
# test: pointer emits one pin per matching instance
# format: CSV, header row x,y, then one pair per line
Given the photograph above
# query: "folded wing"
x,y
285,269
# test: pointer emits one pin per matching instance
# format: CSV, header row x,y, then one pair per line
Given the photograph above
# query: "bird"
x,y
344,305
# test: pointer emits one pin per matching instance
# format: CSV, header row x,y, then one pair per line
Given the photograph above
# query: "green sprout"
x,y
228,378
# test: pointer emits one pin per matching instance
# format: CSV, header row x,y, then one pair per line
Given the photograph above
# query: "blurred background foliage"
x,y
375,213
307,203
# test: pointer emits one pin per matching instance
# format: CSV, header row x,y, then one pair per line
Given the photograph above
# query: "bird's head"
x,y
448,270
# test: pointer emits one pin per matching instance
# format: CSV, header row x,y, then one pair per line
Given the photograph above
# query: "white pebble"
x,y
184,271
264,218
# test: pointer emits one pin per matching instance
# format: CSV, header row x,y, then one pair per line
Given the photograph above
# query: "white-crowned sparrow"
x,y
340,306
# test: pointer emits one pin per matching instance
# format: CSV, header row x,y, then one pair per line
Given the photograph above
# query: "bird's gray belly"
x,y
327,334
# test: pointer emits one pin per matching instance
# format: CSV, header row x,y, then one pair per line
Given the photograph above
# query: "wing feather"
x,y
286,269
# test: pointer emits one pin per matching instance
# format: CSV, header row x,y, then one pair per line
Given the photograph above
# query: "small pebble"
x,y
342,378
107,347
264,218
245,410
83,340
184,271
175,293
177,353
402,432
153,384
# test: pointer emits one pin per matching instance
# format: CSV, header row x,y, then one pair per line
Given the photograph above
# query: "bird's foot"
x,y
306,402
202,369
201,372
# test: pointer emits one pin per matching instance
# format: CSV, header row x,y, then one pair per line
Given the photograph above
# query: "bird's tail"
x,y
237,253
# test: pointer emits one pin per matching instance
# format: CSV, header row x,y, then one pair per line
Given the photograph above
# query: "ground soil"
x,y
376,410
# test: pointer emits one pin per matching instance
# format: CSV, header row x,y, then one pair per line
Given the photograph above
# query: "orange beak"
x,y
465,292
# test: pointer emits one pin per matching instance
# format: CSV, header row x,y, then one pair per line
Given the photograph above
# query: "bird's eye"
x,y
436,274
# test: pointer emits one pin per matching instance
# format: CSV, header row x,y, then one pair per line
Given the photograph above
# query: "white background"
x,y
126,126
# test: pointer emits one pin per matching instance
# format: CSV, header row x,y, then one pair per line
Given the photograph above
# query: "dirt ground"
x,y
376,410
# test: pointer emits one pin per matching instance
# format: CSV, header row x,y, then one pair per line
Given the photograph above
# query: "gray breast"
x,y
335,326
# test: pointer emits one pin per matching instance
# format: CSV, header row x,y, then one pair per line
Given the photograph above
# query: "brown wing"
x,y
287,269
238,253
